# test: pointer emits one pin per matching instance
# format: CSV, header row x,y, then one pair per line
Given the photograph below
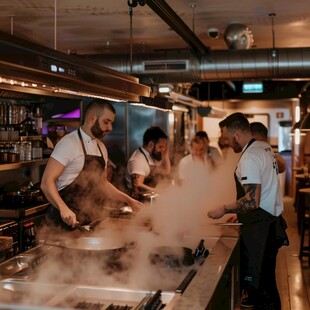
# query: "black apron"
x,y
259,226
84,195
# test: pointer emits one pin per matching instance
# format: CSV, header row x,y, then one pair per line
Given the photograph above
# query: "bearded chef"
x,y
148,164
75,178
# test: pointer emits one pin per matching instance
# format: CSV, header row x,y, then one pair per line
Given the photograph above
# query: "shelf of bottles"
x,y
20,135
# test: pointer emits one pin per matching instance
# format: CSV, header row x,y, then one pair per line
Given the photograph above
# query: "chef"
x,y
75,178
148,164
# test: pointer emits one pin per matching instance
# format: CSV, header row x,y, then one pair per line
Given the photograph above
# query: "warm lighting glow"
x,y
148,106
297,114
78,93
164,89
297,136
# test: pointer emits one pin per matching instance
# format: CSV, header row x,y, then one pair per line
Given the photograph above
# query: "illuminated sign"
x,y
252,87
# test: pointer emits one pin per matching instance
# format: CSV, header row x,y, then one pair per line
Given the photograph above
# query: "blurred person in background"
x,y
260,133
197,154
212,153
149,164
258,207
75,178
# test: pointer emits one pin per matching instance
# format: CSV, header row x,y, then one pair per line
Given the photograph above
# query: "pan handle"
x,y
53,243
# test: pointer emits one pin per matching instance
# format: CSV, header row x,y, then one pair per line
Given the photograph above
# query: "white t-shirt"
x,y
258,165
137,164
187,164
69,152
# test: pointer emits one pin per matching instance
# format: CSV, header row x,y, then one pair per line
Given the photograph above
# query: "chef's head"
x,y
99,118
198,148
155,141
236,131
204,136
259,131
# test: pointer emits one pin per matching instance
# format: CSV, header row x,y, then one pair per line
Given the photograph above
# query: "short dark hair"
x,y
202,134
153,133
259,129
99,104
235,121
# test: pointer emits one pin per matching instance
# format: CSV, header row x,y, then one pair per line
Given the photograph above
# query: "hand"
x,y
216,213
135,205
69,217
233,219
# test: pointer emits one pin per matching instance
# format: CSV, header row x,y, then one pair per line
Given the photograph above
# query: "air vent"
x,y
165,65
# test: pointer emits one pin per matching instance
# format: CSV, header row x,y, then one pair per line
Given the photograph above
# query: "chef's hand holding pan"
x,y
68,216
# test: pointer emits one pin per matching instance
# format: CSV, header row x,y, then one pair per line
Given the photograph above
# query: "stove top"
x,y
59,296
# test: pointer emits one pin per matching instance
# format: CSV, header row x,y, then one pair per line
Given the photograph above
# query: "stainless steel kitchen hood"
x,y
32,68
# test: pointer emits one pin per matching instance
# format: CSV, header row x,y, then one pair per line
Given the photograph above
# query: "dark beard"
x,y
96,130
157,155
236,146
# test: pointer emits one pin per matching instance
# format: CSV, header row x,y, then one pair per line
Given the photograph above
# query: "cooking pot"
x,y
98,245
20,198
172,256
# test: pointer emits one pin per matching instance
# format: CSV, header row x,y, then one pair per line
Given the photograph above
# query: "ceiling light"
x,y
211,112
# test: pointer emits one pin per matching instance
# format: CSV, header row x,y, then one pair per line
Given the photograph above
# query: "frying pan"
x,y
89,245
172,256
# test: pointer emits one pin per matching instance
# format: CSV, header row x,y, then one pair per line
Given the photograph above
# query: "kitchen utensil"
x,y
228,224
88,245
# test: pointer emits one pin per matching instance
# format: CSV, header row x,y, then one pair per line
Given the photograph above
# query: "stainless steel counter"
x,y
201,291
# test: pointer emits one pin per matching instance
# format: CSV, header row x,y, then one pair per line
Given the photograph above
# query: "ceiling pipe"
x,y
182,66
167,14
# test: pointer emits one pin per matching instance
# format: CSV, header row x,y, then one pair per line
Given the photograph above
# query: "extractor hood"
x,y
32,68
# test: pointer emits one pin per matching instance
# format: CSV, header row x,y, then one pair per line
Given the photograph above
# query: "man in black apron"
x,y
75,179
259,206
149,163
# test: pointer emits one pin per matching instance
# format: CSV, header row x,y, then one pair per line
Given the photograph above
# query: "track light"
x,y
141,2
132,3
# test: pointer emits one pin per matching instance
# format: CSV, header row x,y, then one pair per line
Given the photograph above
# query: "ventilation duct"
x,y
221,65
28,67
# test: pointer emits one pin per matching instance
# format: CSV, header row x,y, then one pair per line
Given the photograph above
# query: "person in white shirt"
x,y
258,207
75,178
213,154
149,163
197,156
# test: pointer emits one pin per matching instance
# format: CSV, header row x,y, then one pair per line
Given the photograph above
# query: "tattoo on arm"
x,y
246,203
134,180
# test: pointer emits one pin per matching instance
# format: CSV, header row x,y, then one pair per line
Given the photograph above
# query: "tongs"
x,y
90,227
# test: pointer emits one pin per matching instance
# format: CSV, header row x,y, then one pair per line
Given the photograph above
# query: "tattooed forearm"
x,y
134,180
246,203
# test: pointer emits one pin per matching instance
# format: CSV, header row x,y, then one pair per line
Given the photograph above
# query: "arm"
x,y
48,185
247,203
115,194
138,183
165,166
280,162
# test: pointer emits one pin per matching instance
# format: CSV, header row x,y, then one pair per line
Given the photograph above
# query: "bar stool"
x,y
304,218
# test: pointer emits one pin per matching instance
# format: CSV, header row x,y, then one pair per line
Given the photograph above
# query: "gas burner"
x,y
101,306
115,266
89,305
